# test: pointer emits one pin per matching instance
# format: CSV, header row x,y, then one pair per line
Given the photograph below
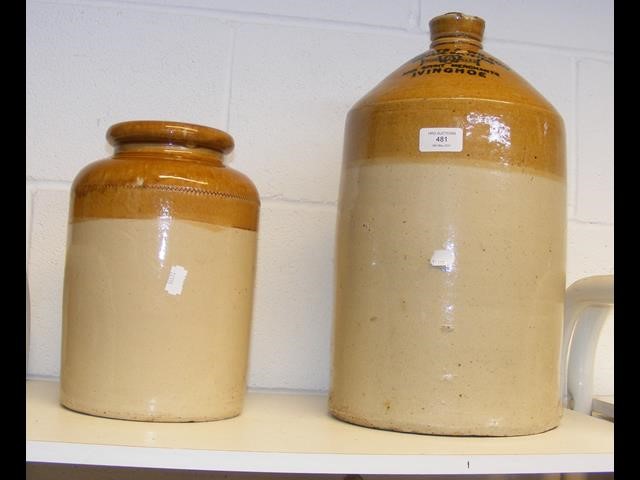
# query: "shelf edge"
x,y
185,459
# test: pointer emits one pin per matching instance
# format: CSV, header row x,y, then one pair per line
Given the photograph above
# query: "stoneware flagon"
x,y
450,261
159,277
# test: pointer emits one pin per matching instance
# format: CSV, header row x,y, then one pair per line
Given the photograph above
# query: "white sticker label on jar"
x,y
442,139
443,259
176,279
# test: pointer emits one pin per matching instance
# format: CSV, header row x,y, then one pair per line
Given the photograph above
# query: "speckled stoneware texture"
x,y
450,260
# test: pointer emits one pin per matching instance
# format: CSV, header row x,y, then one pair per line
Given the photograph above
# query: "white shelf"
x,y
293,433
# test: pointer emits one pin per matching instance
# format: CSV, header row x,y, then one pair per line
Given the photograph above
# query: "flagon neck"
x,y
456,27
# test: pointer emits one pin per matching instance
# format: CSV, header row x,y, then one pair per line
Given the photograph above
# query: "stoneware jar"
x,y
450,262
159,277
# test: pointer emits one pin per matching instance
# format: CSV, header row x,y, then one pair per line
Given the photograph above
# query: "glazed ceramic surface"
x,y
450,262
159,278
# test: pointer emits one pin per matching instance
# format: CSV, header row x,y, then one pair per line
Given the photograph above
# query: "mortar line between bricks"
x,y
314,204
561,49
37,184
29,224
578,221
235,16
234,36
279,19
46,378
416,25
574,140
287,391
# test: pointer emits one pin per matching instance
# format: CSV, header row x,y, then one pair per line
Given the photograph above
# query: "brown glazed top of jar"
x,y
164,168
172,133
457,84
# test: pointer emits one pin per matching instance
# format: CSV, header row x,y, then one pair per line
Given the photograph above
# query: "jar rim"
x,y
175,133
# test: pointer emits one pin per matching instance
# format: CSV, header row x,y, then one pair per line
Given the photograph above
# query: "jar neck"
x,y
457,41
167,150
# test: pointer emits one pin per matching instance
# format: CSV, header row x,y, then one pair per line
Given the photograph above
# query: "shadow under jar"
x,y
159,277
450,261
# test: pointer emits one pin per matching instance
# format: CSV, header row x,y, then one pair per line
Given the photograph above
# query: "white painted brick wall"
x,y
280,75
595,141
89,67
46,275
291,90
584,25
381,13
293,297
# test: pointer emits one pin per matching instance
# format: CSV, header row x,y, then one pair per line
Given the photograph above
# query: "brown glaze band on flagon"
x,y
186,166
439,81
